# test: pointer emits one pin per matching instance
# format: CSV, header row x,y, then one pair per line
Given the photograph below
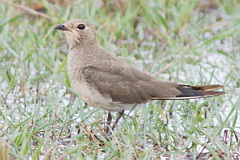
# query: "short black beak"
x,y
61,27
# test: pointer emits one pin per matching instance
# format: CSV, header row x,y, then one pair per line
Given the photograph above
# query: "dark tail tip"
x,y
199,91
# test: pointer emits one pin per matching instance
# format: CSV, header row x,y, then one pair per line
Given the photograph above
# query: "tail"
x,y
193,92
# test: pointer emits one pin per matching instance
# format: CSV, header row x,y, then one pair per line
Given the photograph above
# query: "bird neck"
x,y
82,52
82,45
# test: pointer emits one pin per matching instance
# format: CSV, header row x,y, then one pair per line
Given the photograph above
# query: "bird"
x,y
104,81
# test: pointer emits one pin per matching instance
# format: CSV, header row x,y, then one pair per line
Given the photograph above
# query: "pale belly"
x,y
93,97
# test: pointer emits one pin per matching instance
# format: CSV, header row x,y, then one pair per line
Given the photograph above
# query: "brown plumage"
x,y
104,81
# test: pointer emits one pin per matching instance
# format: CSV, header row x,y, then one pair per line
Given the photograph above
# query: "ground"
x,y
190,42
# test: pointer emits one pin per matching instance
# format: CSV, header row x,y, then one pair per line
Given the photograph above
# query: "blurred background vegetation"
x,y
192,42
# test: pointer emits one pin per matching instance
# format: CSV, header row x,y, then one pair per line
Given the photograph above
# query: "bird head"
x,y
78,32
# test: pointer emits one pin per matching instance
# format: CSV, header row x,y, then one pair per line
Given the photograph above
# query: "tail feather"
x,y
193,92
207,87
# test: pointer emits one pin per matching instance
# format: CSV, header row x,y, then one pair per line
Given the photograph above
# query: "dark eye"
x,y
81,26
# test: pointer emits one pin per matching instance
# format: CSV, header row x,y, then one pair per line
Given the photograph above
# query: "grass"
x,y
41,118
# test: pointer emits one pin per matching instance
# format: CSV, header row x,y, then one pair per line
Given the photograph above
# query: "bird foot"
x,y
110,128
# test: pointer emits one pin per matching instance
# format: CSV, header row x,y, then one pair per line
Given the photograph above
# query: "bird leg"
x,y
109,120
120,114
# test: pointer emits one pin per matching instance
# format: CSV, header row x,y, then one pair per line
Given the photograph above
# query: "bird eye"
x,y
81,26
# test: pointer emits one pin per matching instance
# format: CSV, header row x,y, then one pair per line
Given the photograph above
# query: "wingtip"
x,y
213,93
200,91
205,94
194,92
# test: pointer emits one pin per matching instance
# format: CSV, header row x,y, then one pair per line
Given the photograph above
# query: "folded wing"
x,y
127,85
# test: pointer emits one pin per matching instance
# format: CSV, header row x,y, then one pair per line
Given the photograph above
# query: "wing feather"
x,y
127,85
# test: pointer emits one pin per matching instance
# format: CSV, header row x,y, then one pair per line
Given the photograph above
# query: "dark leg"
x,y
109,121
120,114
